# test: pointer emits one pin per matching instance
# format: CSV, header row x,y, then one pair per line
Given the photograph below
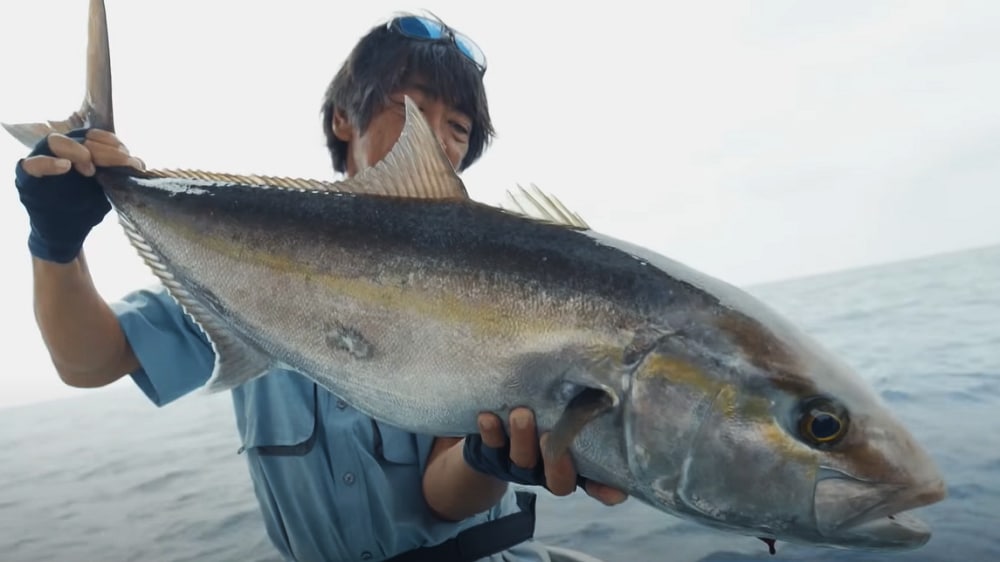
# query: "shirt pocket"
x,y
395,445
279,419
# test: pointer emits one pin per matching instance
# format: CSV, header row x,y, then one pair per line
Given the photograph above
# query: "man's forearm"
x,y
452,489
85,342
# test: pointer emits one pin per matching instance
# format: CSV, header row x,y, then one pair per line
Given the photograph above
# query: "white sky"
x,y
754,141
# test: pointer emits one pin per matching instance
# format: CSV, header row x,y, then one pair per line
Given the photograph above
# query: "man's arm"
x,y
86,343
452,489
87,346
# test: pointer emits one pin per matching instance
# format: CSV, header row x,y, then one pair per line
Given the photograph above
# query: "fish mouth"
x,y
885,523
902,531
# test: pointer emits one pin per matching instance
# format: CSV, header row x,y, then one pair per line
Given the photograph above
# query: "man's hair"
x,y
384,62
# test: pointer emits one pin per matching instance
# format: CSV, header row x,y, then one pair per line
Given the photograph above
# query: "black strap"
x,y
497,463
482,540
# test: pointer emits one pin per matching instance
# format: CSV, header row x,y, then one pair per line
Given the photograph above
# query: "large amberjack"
x,y
423,308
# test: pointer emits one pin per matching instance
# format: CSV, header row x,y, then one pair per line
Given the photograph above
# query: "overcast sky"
x,y
754,141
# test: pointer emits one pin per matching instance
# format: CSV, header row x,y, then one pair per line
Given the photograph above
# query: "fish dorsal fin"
x,y
542,206
416,166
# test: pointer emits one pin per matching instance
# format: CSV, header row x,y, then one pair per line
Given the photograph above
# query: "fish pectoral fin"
x,y
644,340
586,406
416,167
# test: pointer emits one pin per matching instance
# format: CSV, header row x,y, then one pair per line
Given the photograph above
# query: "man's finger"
x,y
560,474
523,438
605,494
65,147
108,155
40,166
106,137
491,431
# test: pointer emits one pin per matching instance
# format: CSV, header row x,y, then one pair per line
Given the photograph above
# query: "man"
x,y
332,483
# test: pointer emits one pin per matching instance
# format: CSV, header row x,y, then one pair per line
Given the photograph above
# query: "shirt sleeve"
x,y
174,355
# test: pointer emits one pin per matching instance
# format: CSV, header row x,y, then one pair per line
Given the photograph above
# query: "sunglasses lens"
x,y
470,49
420,28
423,28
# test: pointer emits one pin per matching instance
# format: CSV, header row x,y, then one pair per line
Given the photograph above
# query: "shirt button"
x,y
341,404
349,478
366,555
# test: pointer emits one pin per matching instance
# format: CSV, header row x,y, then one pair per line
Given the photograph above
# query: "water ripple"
x,y
109,477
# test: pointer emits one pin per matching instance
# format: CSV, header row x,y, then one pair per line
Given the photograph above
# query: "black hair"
x,y
384,62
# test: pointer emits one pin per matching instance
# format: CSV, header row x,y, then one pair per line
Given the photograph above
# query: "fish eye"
x,y
822,422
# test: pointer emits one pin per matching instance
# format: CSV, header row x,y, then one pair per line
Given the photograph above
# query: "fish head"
x,y
750,426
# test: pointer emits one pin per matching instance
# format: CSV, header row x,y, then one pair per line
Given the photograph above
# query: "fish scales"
x,y
421,307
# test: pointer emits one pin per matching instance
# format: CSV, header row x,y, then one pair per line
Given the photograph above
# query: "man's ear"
x,y
342,128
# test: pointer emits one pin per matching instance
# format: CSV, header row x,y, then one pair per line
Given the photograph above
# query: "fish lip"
x,y
904,501
900,531
891,524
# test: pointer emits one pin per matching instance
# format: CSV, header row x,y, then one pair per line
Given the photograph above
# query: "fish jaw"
x,y
852,513
721,448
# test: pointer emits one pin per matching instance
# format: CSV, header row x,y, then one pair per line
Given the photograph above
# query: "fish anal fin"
x,y
251,180
587,405
235,362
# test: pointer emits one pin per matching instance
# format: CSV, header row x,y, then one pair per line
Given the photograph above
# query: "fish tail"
x,y
96,111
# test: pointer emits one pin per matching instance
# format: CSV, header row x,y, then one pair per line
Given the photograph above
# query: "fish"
x,y
422,308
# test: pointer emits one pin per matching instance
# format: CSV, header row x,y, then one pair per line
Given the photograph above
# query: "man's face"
x,y
450,126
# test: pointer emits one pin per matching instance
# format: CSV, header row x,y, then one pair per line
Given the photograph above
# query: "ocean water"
x,y
109,477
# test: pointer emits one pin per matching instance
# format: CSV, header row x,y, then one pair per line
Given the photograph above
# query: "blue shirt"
x,y
332,483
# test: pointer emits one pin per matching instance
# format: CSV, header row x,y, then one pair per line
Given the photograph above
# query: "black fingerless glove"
x,y
62,208
497,463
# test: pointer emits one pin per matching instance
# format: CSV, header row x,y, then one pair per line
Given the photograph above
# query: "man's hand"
x,y
99,148
527,449
56,186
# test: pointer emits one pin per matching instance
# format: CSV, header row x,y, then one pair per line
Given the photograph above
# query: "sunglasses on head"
x,y
417,27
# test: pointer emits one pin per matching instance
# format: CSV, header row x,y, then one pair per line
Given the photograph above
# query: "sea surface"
x,y
109,477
